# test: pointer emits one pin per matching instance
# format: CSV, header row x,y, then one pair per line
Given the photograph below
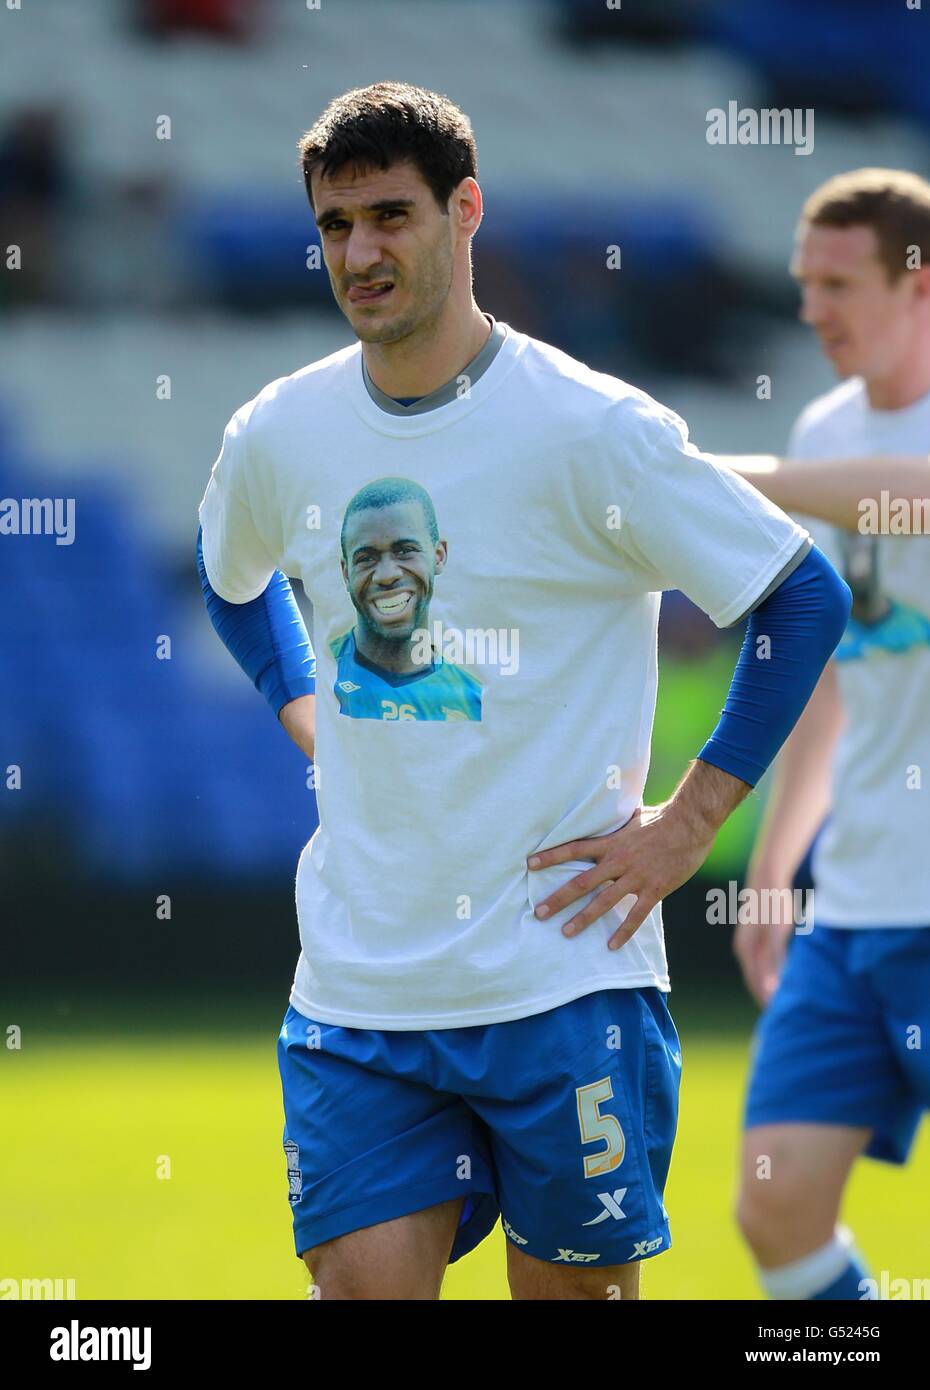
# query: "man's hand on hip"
x,y
658,850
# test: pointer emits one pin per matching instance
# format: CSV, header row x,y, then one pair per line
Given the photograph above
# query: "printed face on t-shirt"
x,y
389,567
387,665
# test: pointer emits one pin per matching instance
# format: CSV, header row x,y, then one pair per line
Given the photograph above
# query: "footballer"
x,y
478,1026
841,1066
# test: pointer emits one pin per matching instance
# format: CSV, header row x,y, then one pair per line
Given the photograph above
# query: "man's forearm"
x,y
299,720
840,491
706,796
799,798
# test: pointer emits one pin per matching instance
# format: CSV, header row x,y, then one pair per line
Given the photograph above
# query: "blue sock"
x,y
853,1284
835,1271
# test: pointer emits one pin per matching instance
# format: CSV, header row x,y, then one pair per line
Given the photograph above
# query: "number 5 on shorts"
x,y
594,1125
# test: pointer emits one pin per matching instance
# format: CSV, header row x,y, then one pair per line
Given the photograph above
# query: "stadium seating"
x,y
159,764
183,261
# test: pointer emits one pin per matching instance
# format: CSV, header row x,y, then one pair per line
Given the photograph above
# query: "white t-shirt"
x,y
568,500
871,866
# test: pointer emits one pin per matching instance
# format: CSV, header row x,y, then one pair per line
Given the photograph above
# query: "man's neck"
x,y
908,384
428,358
393,657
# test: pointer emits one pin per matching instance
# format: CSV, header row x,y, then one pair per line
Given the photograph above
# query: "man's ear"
x,y
471,189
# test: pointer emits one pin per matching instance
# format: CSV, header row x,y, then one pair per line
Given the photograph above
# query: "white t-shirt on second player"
x,y
569,501
871,866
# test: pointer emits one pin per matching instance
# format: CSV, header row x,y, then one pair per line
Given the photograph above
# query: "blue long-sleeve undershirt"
x,y
803,620
267,636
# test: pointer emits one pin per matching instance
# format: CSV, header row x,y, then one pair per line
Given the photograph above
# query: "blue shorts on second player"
x,y
562,1123
846,1039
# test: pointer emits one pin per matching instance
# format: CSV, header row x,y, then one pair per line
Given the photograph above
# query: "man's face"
x,y
390,567
388,249
865,322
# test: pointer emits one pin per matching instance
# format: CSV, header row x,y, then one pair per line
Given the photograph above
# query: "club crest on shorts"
x,y
294,1178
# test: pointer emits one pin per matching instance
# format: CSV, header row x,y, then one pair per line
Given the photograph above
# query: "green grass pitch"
x,y
95,1116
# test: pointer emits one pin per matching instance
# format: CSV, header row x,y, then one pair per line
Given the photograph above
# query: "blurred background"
x,y
148,176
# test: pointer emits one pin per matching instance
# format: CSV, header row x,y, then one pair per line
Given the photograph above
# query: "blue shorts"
x,y
561,1123
846,1038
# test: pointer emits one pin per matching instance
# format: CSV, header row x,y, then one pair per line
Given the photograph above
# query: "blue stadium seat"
x,y
153,772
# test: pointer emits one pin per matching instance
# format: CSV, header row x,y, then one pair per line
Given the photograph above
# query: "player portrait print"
x,y
386,666
879,626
